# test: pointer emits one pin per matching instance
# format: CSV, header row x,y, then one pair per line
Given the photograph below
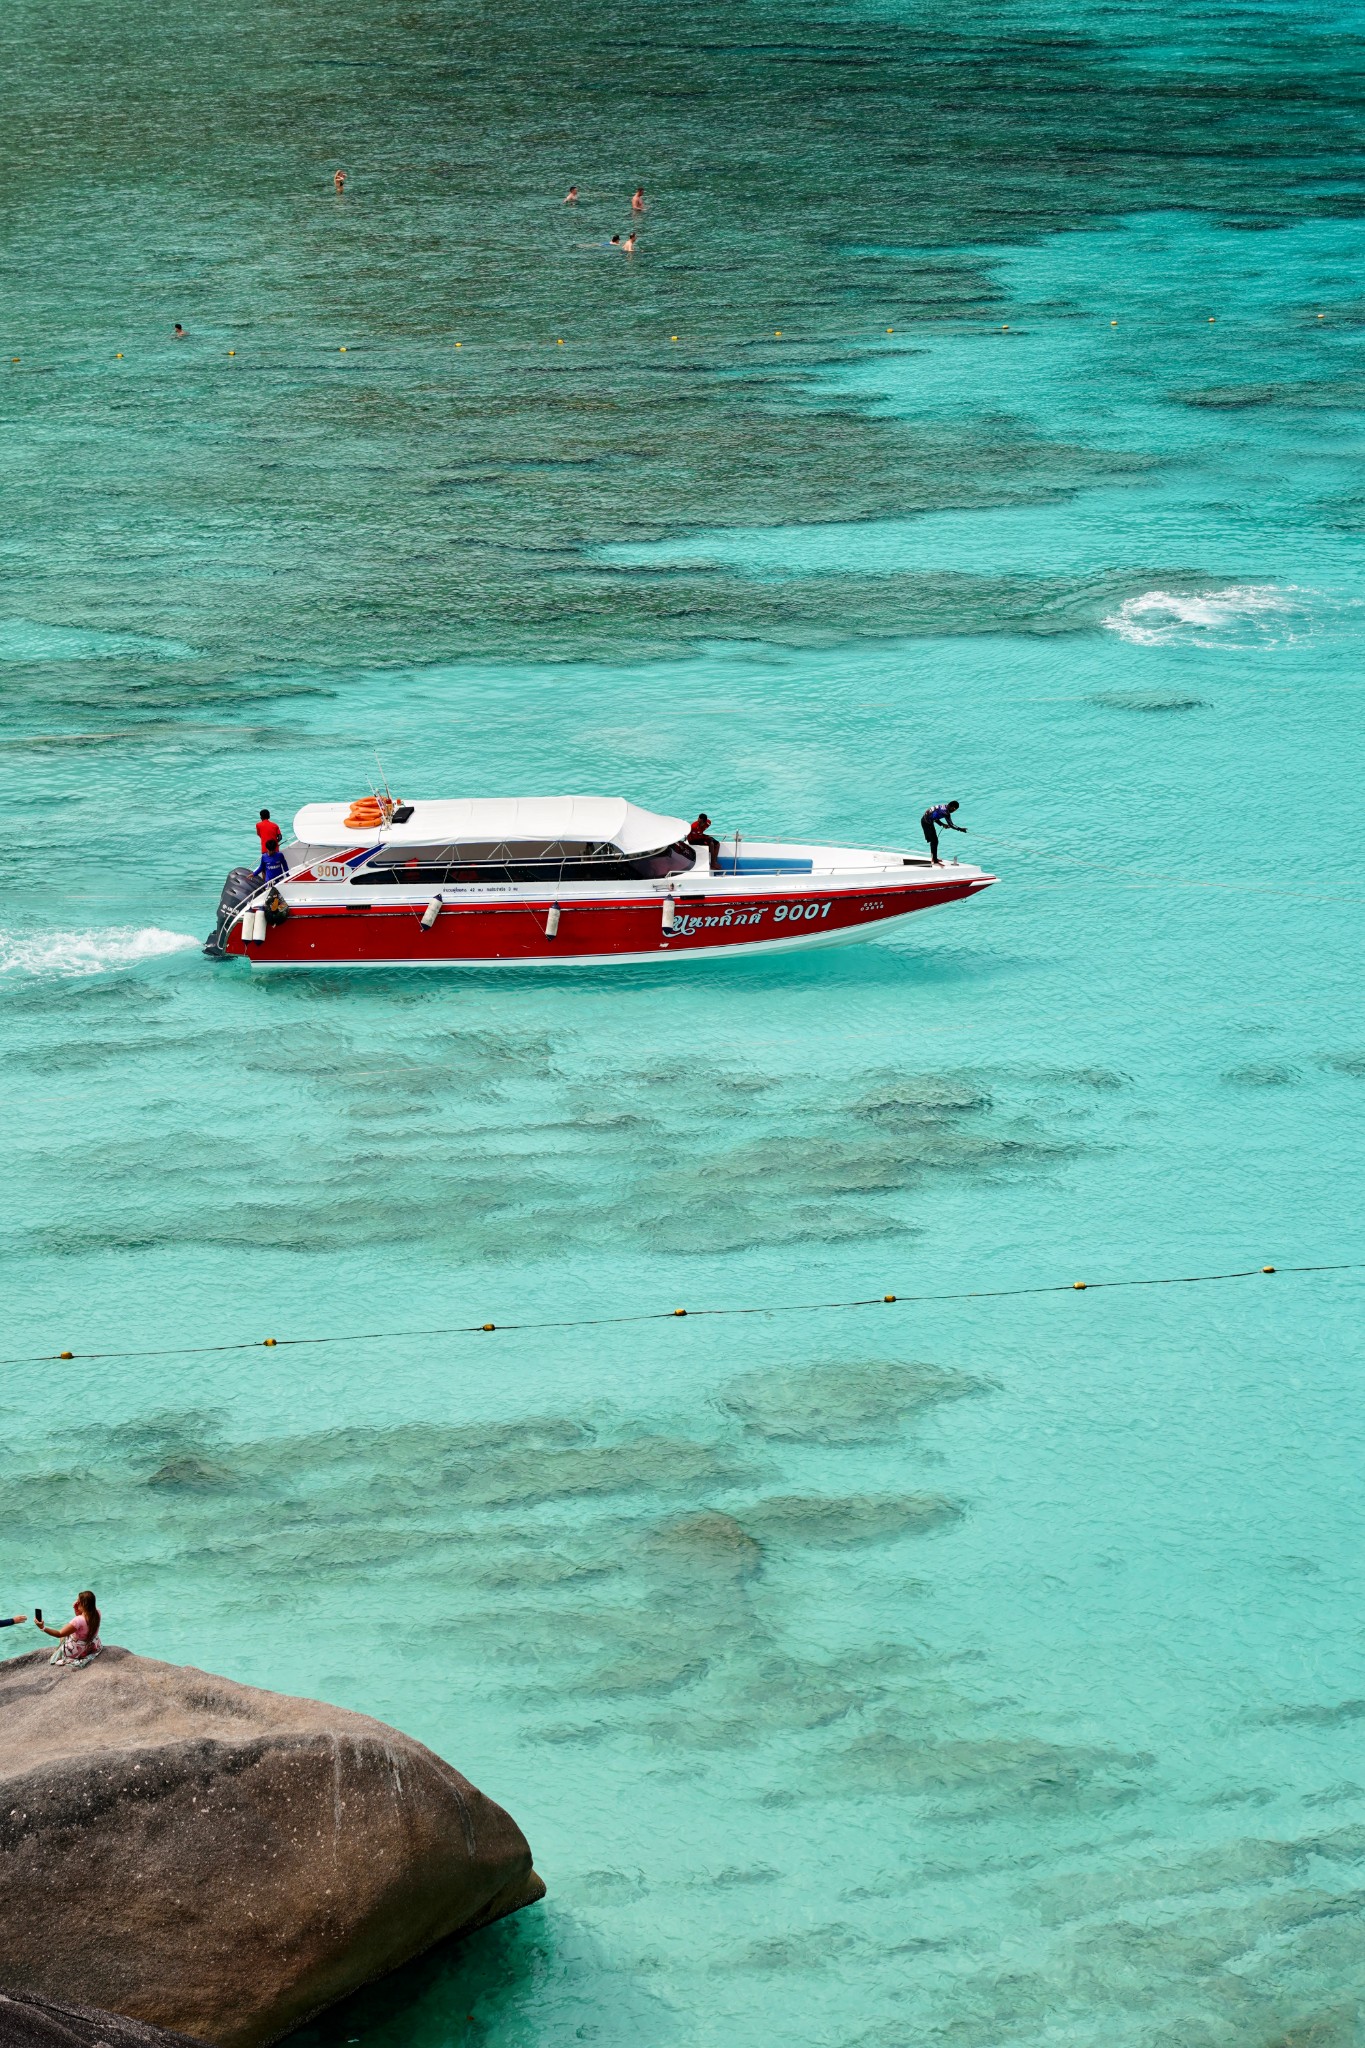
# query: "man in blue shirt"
x,y
938,815
272,863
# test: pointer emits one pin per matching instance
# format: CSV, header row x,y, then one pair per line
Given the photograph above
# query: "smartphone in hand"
x,y
38,1616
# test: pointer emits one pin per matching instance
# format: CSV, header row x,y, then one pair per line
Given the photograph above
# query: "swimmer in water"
x,y
178,333
628,246
571,196
615,242
637,199
339,180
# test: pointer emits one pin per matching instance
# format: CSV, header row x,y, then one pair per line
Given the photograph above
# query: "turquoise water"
x,y
978,1672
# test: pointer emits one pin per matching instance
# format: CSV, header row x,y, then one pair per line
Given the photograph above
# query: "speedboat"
x,y
580,881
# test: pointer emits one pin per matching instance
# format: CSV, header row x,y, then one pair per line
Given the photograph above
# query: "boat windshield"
x,y
519,861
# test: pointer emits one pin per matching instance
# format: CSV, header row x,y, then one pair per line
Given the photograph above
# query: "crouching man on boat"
x,y
697,835
938,815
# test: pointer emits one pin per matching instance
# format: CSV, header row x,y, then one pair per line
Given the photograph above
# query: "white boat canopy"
x,y
498,821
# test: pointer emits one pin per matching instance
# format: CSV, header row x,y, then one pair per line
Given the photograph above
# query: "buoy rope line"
x,y
668,1315
918,328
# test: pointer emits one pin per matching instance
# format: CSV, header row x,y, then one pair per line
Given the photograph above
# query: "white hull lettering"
x,y
792,911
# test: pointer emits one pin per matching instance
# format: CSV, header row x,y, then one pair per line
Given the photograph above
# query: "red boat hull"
x,y
507,932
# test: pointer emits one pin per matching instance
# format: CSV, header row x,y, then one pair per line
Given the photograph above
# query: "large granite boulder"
x,y
43,2023
223,1861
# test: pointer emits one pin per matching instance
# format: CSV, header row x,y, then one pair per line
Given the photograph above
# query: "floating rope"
x,y
921,328
661,1315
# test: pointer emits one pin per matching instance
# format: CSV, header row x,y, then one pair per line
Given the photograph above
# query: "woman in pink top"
x,y
79,1640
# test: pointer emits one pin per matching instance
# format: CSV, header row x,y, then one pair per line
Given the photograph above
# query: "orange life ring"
x,y
365,812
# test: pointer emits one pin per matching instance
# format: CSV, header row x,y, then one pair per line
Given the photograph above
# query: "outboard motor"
x,y
240,884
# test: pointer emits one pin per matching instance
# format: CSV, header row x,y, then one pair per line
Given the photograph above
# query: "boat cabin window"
x,y
518,860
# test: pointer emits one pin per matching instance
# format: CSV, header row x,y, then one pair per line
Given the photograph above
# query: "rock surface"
x,y
42,2023
223,1861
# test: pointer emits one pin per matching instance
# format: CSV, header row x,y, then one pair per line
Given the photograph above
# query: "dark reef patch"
x,y
856,1518
815,1167
1148,700
1352,1063
862,1401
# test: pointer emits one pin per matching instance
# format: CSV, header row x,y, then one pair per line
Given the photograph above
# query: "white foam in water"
x,y
1242,615
66,953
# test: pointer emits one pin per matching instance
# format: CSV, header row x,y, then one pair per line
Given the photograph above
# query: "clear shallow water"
x,y
982,1672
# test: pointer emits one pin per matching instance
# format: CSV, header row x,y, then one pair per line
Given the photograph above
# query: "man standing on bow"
x,y
938,815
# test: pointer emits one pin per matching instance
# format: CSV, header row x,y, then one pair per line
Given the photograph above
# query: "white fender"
x,y
431,913
670,914
552,921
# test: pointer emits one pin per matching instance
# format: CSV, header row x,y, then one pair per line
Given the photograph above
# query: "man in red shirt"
x,y
271,861
697,835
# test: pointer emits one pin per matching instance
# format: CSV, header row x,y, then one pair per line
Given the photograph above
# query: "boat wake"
x,y
1242,615
93,952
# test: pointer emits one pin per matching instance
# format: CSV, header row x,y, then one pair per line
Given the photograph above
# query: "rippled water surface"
x,y
973,1671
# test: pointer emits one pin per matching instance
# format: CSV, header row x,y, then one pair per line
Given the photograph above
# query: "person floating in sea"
x,y
272,863
628,246
697,835
571,196
178,333
936,815
78,1640
637,199
339,180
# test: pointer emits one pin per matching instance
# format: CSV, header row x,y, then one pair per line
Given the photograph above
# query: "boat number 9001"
x,y
793,911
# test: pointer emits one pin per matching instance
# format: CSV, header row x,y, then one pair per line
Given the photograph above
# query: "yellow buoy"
x,y
119,357
342,350
232,351
680,1311
1113,323
560,342
672,337
66,1354
890,330
1079,1285
269,1343
490,1326
1211,319
1267,1269
459,344
777,334
14,359
888,1297
1321,316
